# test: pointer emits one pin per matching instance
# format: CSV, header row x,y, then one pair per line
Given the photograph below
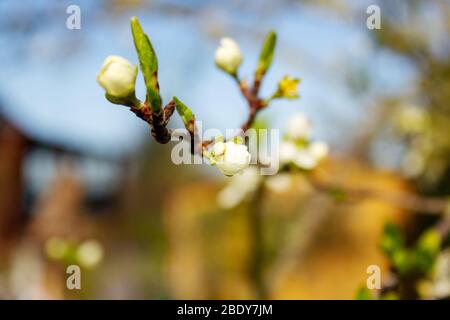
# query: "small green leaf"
x,y
403,261
430,241
266,55
148,62
391,240
364,293
427,249
186,114
389,296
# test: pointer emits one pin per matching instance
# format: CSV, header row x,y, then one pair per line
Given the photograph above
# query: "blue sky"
x,y
56,98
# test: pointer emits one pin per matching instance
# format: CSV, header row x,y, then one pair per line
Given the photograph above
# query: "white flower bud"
x,y
234,159
299,127
228,55
117,77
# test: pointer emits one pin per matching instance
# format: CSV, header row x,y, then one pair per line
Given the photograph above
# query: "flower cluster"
x,y
297,148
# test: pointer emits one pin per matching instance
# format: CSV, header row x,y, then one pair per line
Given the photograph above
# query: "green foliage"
x,y
61,250
427,250
266,55
416,260
363,293
186,114
148,62
391,240
389,296
403,261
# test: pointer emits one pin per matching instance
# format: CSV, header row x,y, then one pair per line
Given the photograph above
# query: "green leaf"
x,y
186,114
148,62
390,296
427,249
391,240
266,55
364,293
403,261
430,241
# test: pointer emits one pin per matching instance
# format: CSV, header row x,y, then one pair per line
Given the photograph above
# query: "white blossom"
x,y
299,127
279,183
304,159
297,148
228,55
239,187
117,76
231,157
441,283
288,150
90,253
318,149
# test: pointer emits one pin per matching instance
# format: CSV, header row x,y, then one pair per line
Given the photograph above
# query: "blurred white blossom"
x,y
441,283
228,55
298,149
304,159
90,253
299,127
240,186
279,183
288,150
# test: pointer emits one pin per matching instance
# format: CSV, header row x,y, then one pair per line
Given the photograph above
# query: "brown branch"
x,y
254,102
157,120
255,105
407,201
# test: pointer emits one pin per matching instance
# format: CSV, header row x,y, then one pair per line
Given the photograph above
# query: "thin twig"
x,y
407,201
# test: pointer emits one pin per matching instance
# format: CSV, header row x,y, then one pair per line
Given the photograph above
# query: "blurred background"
x,y
82,181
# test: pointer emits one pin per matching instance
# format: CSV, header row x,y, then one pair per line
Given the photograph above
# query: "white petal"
x,y
305,160
299,127
288,150
318,149
279,183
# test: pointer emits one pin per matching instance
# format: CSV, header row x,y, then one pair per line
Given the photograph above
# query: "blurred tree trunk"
x,y
13,146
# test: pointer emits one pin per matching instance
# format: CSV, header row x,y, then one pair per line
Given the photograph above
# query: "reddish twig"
x,y
157,120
